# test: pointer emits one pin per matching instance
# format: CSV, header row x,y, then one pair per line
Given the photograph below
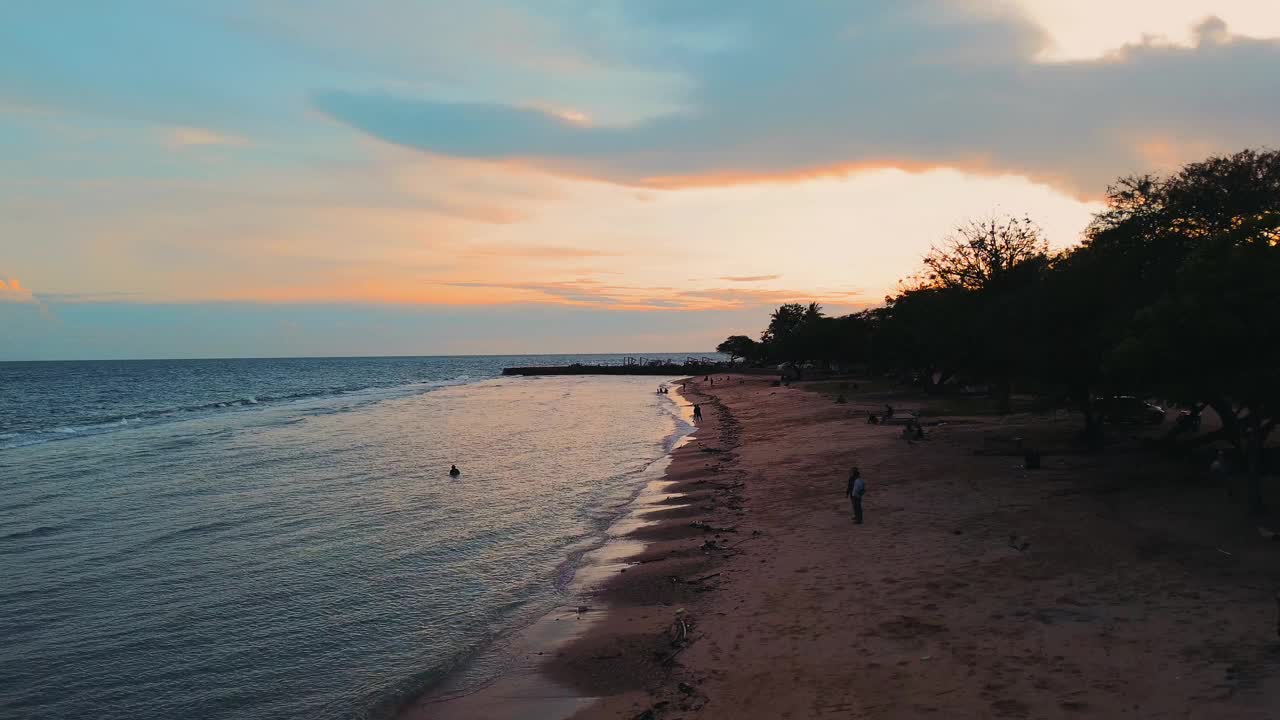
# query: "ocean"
x,y
281,538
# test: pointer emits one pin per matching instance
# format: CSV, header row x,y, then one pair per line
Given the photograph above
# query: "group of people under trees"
x,y
1172,293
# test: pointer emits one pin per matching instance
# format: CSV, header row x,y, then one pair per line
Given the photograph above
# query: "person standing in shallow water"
x,y
857,488
697,412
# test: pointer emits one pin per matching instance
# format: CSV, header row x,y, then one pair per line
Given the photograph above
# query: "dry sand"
x,y
1119,585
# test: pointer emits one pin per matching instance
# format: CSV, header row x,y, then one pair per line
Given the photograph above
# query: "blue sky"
x,y
295,178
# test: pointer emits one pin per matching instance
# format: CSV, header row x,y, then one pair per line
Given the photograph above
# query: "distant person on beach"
x,y
872,419
454,471
912,431
857,488
888,411
1218,468
697,412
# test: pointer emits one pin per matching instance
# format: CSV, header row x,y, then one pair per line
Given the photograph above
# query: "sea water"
x,y
281,538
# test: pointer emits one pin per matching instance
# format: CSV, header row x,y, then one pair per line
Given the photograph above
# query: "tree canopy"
x,y
1174,292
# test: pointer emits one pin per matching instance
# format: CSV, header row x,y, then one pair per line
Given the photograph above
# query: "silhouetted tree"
x,y
924,333
1209,331
994,265
1174,291
791,334
979,256
739,346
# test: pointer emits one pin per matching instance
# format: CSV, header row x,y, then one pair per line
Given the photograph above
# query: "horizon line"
x,y
363,357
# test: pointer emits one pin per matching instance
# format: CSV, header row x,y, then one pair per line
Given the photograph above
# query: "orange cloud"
x,y
976,165
749,278
548,252
1164,152
379,292
12,291
483,213
185,137
569,116
585,292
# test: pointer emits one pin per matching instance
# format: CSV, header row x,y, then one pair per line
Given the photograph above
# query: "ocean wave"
x,y
16,439
36,532
195,530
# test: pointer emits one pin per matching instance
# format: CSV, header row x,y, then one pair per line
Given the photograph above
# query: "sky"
x,y
272,178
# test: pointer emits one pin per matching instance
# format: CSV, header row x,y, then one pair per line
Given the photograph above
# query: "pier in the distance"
x,y
629,366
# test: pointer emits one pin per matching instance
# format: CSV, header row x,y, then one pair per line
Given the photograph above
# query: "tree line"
x,y
1173,292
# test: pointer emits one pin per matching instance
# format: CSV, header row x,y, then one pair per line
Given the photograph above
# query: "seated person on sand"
x,y
872,419
912,431
454,471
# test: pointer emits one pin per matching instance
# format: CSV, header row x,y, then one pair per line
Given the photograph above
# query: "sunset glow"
x,y
632,160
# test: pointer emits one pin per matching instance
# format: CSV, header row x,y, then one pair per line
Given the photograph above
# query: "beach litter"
x,y
708,527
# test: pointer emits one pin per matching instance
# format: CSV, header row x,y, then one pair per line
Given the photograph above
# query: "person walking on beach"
x,y
697,412
857,488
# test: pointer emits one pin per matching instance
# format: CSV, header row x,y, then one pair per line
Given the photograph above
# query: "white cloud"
x,y
1091,29
809,95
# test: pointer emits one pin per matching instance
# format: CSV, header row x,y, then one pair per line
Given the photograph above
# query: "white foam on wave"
x,y
374,394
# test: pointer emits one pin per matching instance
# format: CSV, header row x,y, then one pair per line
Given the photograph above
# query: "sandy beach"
x,y
1112,585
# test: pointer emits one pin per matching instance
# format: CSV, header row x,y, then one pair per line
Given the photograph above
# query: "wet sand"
x,y
1118,585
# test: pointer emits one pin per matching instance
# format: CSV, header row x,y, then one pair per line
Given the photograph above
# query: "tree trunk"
x,y
1004,390
1093,434
934,386
1256,441
1230,423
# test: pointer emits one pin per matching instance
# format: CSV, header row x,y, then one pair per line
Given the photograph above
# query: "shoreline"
x,y
1109,585
524,688
1105,585
656,603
